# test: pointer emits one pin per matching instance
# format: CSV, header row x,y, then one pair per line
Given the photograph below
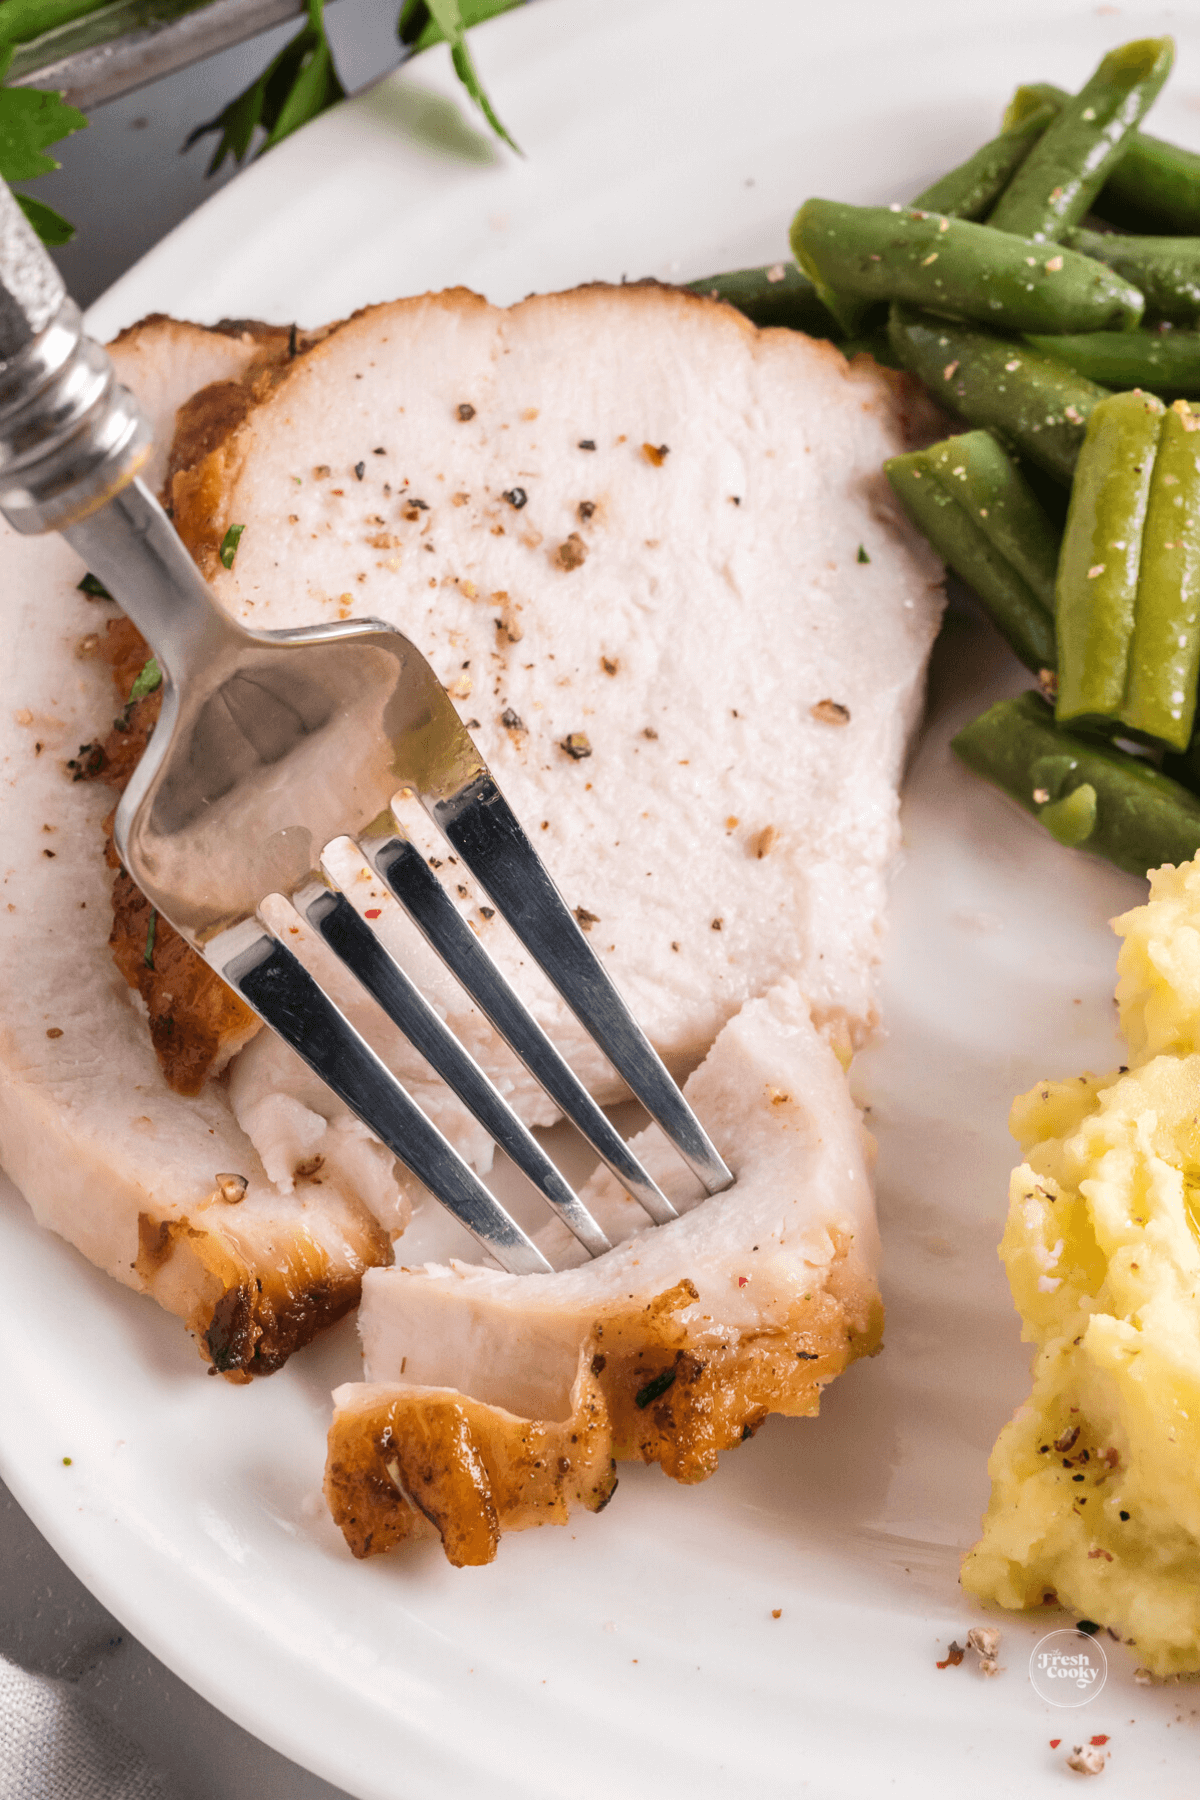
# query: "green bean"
x,y
1154,187
1165,362
971,190
1166,269
777,294
1056,184
1128,591
1098,573
978,513
1034,404
1086,793
953,266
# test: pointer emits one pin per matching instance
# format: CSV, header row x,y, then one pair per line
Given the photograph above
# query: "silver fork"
x,y
274,749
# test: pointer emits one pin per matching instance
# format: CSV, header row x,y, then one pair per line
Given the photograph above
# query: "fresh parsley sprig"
x,y
299,84
426,22
30,120
296,86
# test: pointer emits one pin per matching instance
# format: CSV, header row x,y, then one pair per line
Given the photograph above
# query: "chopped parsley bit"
x,y
862,555
658,1384
229,545
1088,1626
148,677
95,590
66,1462
151,930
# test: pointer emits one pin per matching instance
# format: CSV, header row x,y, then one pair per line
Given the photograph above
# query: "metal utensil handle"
x,y
70,435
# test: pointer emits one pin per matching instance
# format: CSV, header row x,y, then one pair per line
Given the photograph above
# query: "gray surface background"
x,y
124,183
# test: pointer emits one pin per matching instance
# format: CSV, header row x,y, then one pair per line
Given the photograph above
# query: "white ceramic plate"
x,y
638,1653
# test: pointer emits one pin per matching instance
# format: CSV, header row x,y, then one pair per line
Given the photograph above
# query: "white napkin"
x,y
55,1745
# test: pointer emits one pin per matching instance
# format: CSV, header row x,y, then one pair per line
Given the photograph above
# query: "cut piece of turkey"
x,y
494,1402
105,1153
650,552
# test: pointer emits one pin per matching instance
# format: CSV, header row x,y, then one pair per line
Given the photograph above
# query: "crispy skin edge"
x,y
405,1463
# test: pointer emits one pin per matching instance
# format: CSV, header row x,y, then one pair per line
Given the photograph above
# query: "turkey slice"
x,y
494,1402
650,552
105,1153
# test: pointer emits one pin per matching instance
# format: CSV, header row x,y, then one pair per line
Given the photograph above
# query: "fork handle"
x,y
70,435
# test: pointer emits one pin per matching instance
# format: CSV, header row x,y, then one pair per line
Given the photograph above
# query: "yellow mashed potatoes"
x,y
1096,1480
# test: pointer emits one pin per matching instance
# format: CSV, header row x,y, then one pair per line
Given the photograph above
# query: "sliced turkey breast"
x,y
495,1401
650,552
147,1184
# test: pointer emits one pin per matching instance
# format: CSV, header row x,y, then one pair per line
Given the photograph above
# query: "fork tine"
x,y
485,832
272,981
350,938
402,868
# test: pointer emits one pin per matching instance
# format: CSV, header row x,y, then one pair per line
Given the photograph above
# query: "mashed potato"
x,y
1096,1480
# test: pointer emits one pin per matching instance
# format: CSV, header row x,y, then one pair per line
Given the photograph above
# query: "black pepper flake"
x,y
807,1356
1125,1517
360,469
379,450
89,762
576,745
587,443
585,918
291,343
585,510
1088,1626
516,497
466,411
1078,1478
657,1385
511,720
487,912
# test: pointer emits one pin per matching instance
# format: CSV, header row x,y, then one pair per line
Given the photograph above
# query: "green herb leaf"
x,y
229,544
450,19
148,677
297,86
50,226
658,1384
29,120
862,554
151,930
418,29
95,590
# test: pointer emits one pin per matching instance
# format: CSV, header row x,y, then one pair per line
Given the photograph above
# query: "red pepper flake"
x,y
1101,1737
1055,1742
372,912
742,1280
954,1656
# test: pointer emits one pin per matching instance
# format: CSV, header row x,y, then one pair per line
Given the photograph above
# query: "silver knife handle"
x,y
70,435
